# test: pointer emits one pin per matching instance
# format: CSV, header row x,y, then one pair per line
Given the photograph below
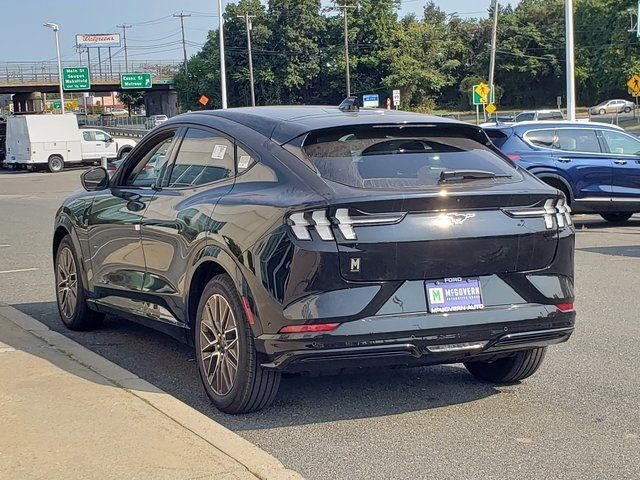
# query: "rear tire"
x,y
616,217
228,362
56,163
511,369
70,293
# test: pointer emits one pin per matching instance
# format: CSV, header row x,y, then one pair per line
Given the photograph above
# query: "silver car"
x,y
612,106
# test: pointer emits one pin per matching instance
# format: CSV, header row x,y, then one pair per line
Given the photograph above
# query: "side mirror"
x,y
110,140
95,179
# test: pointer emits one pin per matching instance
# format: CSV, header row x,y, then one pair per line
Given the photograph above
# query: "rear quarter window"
x,y
397,157
497,137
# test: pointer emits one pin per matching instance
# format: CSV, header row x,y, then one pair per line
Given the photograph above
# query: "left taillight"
x,y
344,219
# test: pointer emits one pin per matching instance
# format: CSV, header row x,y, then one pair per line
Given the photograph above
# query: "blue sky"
x,y
155,34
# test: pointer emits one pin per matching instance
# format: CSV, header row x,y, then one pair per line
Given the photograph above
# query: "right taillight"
x,y
514,157
554,210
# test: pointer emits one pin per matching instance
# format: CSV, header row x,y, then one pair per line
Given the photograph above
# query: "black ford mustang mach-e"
x,y
300,238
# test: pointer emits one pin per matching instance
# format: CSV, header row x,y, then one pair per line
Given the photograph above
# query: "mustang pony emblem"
x,y
459,218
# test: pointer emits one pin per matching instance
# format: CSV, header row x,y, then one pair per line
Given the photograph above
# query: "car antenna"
x,y
350,104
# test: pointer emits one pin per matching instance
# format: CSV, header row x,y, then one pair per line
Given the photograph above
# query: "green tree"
x,y
131,99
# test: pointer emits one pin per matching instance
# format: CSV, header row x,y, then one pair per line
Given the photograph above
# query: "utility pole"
x,y
124,27
344,9
571,82
181,16
249,26
494,36
223,70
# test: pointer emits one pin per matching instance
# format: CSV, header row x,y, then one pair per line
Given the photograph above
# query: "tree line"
x,y
433,58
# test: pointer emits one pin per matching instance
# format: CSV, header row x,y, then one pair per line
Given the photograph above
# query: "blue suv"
x,y
596,165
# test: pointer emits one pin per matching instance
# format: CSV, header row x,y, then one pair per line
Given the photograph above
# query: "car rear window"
x,y
397,157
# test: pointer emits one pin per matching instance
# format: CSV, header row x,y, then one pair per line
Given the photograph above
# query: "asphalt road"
x,y
577,418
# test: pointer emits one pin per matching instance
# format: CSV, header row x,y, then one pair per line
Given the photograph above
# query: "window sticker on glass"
x,y
243,162
218,152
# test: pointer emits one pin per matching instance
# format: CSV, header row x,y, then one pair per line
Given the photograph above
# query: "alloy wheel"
x,y
219,344
67,284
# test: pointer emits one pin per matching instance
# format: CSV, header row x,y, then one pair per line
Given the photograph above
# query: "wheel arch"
x,y
124,149
212,261
559,182
62,229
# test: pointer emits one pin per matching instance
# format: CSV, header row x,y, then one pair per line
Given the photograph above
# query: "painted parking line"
x,y
4,246
19,270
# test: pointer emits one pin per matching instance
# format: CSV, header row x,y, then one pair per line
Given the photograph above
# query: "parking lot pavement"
x,y
577,418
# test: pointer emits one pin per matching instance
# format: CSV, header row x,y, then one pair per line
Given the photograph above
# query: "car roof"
x,y
554,123
284,123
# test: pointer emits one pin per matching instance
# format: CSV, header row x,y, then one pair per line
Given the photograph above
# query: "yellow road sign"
x,y
490,108
483,90
634,83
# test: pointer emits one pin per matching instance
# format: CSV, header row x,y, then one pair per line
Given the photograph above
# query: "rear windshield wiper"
x,y
461,175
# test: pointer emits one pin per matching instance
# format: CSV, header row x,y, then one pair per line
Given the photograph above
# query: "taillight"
x,y
565,307
514,157
318,327
554,210
302,223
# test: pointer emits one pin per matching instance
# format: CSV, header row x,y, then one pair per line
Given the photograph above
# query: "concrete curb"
x,y
257,461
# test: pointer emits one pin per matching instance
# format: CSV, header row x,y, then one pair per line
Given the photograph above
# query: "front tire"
x,y
616,217
228,362
627,109
70,293
511,369
602,111
56,163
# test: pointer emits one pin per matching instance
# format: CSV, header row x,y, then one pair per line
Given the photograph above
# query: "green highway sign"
x,y
56,104
135,80
75,78
478,99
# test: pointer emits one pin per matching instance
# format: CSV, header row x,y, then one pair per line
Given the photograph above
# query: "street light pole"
x,y
248,26
346,45
223,73
55,28
494,35
571,82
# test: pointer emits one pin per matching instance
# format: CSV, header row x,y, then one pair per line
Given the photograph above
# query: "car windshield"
x,y
398,157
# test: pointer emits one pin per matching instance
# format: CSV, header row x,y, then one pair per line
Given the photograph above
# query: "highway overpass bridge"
x,y
27,81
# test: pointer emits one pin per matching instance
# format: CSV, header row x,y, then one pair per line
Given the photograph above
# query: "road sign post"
x,y
135,81
481,94
396,98
75,78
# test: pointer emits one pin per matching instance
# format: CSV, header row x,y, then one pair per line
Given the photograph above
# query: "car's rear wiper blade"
x,y
461,175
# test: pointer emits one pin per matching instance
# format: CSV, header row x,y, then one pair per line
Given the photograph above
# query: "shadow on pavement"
x,y
302,399
615,251
586,225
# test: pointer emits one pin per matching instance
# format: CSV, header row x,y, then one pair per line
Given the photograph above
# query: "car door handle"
x,y
564,159
620,161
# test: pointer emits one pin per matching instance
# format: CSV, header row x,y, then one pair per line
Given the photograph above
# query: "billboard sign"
x,y
98,40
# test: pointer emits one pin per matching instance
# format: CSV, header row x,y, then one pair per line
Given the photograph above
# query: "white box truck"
x,y
53,141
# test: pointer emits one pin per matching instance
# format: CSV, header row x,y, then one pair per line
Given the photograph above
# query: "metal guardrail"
x,y
24,73
126,132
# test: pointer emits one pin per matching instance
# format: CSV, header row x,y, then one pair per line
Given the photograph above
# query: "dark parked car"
x,y
288,239
596,165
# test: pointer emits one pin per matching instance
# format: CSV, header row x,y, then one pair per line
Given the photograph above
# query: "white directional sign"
x,y
396,97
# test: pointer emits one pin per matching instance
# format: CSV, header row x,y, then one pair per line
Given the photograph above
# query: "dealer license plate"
x,y
454,295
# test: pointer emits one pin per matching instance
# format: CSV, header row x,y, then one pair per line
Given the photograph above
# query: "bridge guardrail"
x,y
126,132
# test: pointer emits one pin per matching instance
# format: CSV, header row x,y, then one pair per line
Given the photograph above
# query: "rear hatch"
x,y
430,202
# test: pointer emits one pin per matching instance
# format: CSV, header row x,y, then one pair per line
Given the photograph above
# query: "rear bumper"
x,y
406,339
